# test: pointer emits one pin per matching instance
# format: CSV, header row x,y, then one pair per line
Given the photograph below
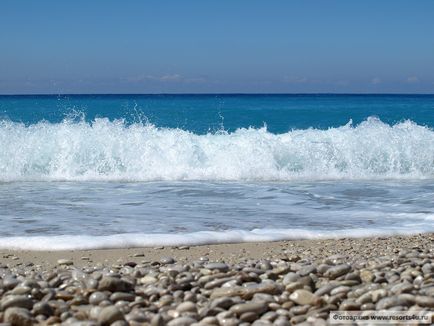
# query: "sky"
x,y
222,46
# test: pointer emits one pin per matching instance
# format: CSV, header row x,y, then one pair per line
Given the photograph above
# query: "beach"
x,y
268,283
219,163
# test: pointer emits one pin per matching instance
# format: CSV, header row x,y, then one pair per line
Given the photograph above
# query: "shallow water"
x,y
276,210
77,173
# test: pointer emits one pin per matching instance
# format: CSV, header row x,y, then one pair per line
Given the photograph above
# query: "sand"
x,y
354,248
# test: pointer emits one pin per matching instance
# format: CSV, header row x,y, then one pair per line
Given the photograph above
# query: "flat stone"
x,y
326,289
340,289
291,287
10,283
246,292
181,321
116,323
65,296
261,322
42,308
20,290
65,262
306,270
282,322
109,315
257,307
18,317
349,305
96,297
186,306
122,296
157,320
249,317
402,288
183,247
222,267
291,277
425,301
139,254
167,260
113,284
378,294
336,271
229,322
148,279
19,301
222,302
304,297
395,301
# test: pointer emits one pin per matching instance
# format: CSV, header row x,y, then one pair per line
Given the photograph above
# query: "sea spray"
x,y
112,150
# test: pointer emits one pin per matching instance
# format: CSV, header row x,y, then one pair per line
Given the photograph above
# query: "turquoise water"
x,y
209,113
122,171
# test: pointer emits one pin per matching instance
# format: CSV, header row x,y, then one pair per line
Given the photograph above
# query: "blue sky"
x,y
104,46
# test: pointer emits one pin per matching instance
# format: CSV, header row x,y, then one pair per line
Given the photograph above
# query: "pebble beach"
x,y
271,283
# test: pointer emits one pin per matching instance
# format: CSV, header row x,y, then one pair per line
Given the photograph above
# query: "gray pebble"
x,y
336,271
18,317
222,267
167,260
181,321
96,297
19,301
109,315
66,262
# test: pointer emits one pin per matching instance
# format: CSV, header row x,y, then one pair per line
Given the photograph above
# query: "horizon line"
x,y
211,93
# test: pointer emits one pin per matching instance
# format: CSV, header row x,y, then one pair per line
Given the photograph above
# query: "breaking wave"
x,y
113,150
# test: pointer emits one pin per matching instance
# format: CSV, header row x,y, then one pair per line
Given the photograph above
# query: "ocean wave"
x,y
114,151
136,240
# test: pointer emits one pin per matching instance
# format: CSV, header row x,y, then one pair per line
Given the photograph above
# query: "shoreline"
x,y
278,283
228,252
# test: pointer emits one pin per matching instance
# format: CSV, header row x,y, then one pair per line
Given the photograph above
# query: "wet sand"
x,y
355,248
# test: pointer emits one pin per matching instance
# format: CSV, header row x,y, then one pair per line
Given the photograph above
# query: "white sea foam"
x,y
84,242
105,150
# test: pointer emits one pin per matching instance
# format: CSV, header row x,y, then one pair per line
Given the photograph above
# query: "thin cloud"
x,y
164,78
412,80
375,81
295,80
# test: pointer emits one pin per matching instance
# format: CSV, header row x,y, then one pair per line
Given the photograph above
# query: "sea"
x,y
118,171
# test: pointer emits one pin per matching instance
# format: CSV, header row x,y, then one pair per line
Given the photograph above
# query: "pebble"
x,y
186,306
246,292
425,301
306,270
18,317
109,315
10,282
273,291
303,297
96,297
255,307
181,321
167,260
218,266
336,271
366,276
19,301
66,262
113,284
42,308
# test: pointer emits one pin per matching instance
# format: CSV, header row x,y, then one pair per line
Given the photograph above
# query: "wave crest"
x,y
112,150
